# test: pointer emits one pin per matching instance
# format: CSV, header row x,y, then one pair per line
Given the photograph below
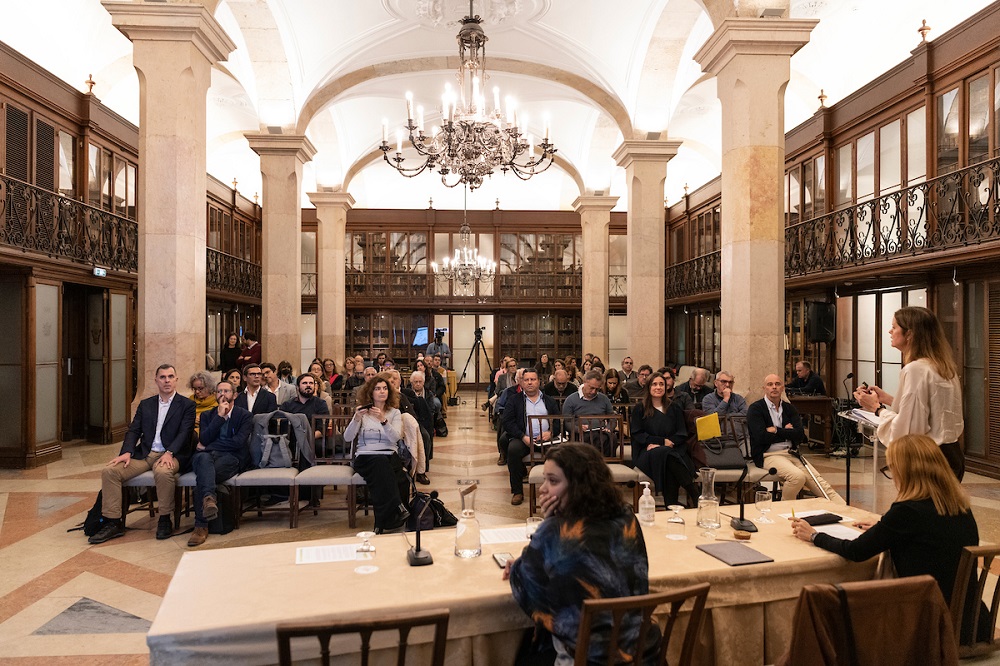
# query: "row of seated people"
x,y
170,437
660,427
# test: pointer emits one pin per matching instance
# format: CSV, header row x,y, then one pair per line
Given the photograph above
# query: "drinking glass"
x,y
762,500
531,525
366,551
675,524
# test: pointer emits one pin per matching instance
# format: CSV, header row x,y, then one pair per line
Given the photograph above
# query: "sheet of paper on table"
x,y
503,535
871,417
840,531
321,554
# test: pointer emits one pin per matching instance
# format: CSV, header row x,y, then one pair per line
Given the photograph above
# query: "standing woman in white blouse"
x,y
930,395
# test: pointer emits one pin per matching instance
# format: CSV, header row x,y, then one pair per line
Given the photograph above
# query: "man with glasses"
x,y
723,401
627,373
203,393
775,434
637,387
254,399
697,386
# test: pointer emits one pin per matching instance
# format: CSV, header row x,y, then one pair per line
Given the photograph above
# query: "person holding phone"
x,y
378,426
930,394
588,545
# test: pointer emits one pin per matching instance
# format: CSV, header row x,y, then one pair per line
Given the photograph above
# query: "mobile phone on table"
x,y
502,559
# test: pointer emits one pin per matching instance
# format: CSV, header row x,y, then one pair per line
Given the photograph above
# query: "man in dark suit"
x,y
223,452
530,401
158,439
256,399
775,434
423,411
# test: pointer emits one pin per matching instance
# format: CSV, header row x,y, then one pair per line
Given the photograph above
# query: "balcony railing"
x,y
36,220
696,276
950,211
227,273
308,284
617,286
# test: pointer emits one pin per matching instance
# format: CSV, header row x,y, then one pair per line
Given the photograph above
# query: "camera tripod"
x,y
478,346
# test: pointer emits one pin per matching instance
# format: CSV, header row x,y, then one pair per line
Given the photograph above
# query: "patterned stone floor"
x,y
64,601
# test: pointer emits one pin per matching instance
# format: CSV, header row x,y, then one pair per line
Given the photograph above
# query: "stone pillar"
x,y
751,61
645,165
595,218
174,48
281,160
331,320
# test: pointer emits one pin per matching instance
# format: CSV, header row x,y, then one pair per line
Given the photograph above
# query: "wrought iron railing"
x,y
36,220
233,275
696,276
955,210
617,286
309,284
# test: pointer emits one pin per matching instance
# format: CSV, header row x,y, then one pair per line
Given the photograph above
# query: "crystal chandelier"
x,y
467,266
472,142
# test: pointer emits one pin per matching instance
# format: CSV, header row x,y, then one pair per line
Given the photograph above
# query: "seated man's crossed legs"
x,y
210,469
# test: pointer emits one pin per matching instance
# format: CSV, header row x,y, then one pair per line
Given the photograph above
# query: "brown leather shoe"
x,y
198,537
209,508
517,499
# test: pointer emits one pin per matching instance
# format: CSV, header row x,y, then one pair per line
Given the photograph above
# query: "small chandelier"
x,y
467,266
472,142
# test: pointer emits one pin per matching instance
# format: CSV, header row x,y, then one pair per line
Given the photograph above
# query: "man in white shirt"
x,y
255,399
627,373
283,391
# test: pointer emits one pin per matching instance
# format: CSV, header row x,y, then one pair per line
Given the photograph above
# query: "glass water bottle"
x,y
467,543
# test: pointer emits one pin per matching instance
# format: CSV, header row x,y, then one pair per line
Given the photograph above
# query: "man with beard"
x,y
675,395
306,402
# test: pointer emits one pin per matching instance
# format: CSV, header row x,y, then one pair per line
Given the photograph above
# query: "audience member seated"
x,y
234,377
430,385
379,362
587,401
286,373
684,400
613,387
501,402
394,378
507,379
588,545
659,443
519,406
723,401
627,374
223,451
775,434
806,381
250,352
926,527
203,393
159,439
306,401
348,368
283,391
637,387
697,386
378,427
560,386
440,348
230,354
255,399
331,376
423,408
545,369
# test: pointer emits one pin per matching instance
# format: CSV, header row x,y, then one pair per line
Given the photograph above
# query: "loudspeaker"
x,y
822,323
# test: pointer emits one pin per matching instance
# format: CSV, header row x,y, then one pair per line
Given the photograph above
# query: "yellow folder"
x,y
708,426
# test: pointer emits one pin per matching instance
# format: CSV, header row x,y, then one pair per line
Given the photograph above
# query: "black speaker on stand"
x,y
821,324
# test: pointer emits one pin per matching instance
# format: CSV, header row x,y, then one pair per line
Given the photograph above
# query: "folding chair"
x,y
974,567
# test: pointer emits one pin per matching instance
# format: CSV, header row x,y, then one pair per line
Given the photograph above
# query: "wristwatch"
x,y
384,422
879,408
812,537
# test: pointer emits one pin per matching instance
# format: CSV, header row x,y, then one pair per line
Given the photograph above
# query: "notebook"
x,y
708,427
734,554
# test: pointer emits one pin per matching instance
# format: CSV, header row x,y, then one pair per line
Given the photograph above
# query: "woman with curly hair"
x,y
378,426
589,545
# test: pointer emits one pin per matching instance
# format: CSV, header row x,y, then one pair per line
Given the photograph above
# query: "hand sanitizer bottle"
x,y
647,507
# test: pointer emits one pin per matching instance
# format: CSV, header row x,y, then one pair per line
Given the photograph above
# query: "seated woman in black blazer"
x,y
926,527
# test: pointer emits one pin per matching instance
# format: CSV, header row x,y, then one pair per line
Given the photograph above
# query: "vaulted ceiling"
x,y
602,71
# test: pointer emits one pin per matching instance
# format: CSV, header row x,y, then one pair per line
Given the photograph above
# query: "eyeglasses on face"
x,y
886,472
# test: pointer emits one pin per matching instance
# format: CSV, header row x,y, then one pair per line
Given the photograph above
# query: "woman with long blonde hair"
x,y
930,393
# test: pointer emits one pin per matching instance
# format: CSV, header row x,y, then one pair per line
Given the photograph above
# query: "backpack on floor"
x,y
225,522
94,521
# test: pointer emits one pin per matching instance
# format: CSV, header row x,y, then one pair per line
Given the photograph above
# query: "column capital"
x,y
636,150
755,37
172,22
282,145
586,204
341,199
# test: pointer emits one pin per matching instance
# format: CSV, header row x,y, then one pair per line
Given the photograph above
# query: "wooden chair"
x,y
646,604
324,630
974,566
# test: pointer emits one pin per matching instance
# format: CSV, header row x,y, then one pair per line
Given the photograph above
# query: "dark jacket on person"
x,y
227,359
176,434
811,385
514,414
550,389
698,394
230,435
312,407
759,420
440,385
423,409
264,403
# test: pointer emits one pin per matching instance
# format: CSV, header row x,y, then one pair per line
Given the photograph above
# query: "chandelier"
x,y
472,142
467,266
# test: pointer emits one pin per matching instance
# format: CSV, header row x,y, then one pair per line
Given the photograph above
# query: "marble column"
x,y
281,160
595,218
173,49
750,59
645,164
331,319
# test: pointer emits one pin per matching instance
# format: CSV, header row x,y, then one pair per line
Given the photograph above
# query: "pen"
x,y
793,513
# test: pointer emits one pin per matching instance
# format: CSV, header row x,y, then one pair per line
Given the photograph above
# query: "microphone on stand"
x,y
850,375
742,523
416,556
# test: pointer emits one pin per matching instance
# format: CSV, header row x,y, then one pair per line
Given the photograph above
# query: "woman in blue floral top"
x,y
589,546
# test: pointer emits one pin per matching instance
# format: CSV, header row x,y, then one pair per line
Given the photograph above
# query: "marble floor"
x,y
64,601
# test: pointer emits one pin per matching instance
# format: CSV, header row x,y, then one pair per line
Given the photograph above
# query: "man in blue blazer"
x,y
223,451
158,439
530,401
264,402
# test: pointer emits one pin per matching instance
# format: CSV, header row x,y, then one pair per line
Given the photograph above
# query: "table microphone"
x,y
416,556
742,523
850,375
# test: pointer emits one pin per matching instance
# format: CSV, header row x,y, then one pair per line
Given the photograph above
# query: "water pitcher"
x,y
467,543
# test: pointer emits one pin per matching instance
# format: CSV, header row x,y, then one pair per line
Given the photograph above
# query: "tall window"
x,y
844,190
916,146
948,121
979,119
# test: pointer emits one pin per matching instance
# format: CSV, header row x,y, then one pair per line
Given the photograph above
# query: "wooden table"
x,y
222,605
818,405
